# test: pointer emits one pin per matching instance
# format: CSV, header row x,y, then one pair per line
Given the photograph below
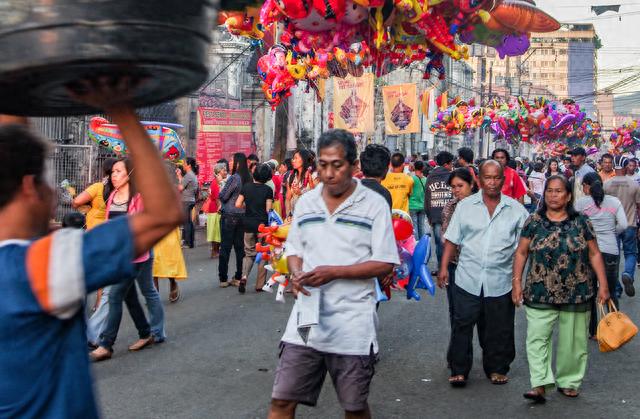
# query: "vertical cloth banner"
x,y
400,109
353,103
430,110
221,133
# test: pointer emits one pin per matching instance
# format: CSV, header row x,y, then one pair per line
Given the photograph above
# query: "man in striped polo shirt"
x,y
340,241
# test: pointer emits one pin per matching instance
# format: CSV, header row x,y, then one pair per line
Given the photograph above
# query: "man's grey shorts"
x,y
301,372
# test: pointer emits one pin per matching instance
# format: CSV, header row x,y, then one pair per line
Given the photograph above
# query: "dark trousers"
x,y
436,228
189,233
611,269
450,288
232,235
126,292
496,340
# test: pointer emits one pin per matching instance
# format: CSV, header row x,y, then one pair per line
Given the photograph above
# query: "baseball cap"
x,y
519,159
578,151
273,163
620,162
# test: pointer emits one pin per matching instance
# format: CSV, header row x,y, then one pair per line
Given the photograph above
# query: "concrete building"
x,y
606,112
559,64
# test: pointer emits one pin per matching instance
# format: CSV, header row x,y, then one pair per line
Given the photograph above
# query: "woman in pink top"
x,y
122,201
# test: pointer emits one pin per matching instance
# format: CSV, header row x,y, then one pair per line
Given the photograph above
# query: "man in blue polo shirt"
x,y
44,278
339,242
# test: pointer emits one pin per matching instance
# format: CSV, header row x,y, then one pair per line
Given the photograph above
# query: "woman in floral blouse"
x,y
563,253
462,185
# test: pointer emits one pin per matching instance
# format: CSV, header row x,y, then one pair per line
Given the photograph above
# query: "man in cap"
x,y
628,192
580,169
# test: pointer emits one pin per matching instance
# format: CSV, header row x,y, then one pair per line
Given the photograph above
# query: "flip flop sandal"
x,y
535,397
568,392
499,379
175,295
457,381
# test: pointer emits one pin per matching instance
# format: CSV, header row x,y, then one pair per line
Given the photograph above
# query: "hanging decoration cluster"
x,y
322,38
551,126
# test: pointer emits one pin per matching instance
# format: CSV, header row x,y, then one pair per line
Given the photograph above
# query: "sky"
x,y
619,32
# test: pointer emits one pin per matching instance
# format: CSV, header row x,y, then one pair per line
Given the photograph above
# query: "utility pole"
x,y
280,131
281,123
488,136
507,78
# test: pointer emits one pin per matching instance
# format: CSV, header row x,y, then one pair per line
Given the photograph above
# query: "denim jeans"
x,y
533,206
189,233
611,269
152,300
121,292
418,217
232,235
630,250
98,320
437,238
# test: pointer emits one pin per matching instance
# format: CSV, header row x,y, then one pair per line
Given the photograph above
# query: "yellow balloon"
x,y
297,71
282,232
279,264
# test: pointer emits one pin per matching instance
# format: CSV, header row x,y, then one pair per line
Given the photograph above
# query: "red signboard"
x,y
221,133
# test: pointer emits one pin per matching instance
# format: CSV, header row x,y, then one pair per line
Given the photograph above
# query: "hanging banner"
x,y
400,109
353,103
425,101
221,133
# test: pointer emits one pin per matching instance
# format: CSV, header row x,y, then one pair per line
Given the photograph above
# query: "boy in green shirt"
x,y
416,200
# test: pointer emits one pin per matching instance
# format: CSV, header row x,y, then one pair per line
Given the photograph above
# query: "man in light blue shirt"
x,y
485,228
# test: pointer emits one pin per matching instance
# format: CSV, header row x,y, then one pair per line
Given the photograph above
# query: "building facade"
x,y
558,64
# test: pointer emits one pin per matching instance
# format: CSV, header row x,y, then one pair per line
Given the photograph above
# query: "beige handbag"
x,y
614,329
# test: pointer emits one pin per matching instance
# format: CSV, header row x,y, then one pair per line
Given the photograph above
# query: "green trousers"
x,y
571,354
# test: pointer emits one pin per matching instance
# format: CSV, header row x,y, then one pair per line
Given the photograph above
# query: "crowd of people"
x,y
568,220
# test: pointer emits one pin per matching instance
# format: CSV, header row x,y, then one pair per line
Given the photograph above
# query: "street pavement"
x,y
222,348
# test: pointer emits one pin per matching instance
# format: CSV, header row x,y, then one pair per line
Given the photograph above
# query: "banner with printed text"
x,y
353,103
400,109
221,133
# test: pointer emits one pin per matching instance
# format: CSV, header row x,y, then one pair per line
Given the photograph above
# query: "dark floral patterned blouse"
x,y
559,268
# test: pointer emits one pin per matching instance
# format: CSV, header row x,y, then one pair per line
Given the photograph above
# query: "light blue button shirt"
x,y
487,244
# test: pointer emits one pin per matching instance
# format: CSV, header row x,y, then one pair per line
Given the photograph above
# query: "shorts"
x,y
301,372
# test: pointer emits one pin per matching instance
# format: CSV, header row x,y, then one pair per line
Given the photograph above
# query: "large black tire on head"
x,y
47,44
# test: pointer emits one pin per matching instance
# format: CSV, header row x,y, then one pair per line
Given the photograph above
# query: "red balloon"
x,y
402,229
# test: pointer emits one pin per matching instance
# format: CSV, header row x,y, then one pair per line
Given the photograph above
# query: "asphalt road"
x,y
219,362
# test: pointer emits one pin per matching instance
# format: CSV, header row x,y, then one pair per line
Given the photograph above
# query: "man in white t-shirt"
x,y
340,240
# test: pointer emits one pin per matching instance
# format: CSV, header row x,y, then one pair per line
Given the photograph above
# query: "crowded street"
x,y
220,359
280,209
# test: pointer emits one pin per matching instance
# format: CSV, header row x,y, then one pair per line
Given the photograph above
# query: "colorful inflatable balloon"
x,y
625,139
420,274
460,117
108,135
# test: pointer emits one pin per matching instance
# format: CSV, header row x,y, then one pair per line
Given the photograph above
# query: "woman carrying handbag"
x,y
561,247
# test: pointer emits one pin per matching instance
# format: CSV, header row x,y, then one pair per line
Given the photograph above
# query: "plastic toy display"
x,y
107,135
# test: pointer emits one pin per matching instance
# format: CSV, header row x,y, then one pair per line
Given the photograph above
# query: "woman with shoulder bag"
x,y
609,220
561,247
